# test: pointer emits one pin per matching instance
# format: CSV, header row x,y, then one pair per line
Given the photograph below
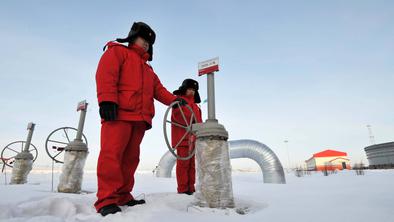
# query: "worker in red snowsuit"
x,y
185,169
126,87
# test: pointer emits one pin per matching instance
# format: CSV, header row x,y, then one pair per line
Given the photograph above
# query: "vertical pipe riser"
x,y
29,137
74,158
24,160
81,125
211,96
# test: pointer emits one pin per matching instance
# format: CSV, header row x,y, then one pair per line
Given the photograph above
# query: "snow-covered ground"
x,y
337,197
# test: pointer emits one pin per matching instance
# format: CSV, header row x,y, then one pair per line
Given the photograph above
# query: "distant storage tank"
x,y
328,160
380,155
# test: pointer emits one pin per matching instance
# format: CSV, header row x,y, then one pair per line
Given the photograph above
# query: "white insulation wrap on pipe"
x,y
267,160
21,169
72,172
214,186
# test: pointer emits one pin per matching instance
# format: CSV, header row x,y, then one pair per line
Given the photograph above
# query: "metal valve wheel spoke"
x,y
176,124
183,115
66,134
57,141
191,119
54,141
179,142
187,126
10,151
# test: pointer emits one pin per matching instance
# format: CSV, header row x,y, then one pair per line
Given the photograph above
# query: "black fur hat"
x,y
141,29
187,84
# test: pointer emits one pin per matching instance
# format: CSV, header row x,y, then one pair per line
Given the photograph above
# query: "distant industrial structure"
x,y
380,156
328,160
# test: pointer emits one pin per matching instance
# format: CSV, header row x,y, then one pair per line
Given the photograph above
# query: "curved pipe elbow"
x,y
267,160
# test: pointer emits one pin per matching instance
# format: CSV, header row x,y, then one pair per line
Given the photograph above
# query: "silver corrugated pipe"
x,y
167,162
267,160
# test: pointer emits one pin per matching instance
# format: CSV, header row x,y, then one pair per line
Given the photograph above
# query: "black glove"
x,y
181,101
108,111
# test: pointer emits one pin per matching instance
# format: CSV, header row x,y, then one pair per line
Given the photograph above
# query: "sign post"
x,y
208,67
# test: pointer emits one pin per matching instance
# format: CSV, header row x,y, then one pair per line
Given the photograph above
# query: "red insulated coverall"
x,y
185,169
124,77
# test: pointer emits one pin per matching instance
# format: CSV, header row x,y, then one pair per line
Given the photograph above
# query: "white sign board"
x,y
30,126
208,66
82,105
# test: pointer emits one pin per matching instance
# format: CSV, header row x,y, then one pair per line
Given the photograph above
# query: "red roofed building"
x,y
328,160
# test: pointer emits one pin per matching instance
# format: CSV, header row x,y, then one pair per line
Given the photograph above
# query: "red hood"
x,y
139,50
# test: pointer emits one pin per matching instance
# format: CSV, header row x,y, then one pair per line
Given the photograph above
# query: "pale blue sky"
x,y
314,73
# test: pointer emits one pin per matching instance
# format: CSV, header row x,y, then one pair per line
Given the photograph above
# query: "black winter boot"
x,y
109,209
187,192
135,202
